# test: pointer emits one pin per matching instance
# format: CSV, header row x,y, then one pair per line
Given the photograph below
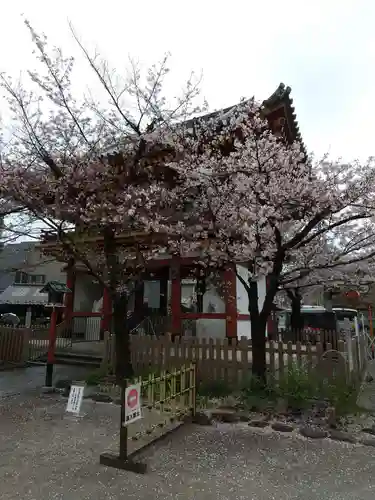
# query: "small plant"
x,y
256,393
95,377
203,402
297,387
342,395
215,389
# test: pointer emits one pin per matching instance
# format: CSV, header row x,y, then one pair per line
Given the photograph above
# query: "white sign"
x,y
75,399
132,404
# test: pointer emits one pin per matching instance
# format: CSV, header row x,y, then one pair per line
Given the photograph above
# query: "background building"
x,y
23,272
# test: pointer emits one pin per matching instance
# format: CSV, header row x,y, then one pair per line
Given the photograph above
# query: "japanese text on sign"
x,y
132,404
75,399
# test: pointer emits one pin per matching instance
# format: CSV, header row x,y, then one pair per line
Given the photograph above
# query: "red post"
x,y
51,348
230,302
106,313
176,297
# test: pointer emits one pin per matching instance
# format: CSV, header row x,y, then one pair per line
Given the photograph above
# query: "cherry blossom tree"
x,y
93,173
340,260
259,201
221,187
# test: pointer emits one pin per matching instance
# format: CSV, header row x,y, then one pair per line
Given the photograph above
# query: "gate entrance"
x,y
167,401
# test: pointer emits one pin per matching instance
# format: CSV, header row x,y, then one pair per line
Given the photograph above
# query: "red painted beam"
x,y
230,302
176,297
203,316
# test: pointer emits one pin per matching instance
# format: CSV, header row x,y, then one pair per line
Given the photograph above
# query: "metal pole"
x,y
123,428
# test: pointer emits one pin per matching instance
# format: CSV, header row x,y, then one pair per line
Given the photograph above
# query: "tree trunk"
x,y
296,320
258,334
258,320
120,300
124,367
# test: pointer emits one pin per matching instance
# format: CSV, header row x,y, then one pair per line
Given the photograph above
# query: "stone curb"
x,y
260,424
368,430
281,427
202,418
343,436
228,415
101,398
313,433
367,442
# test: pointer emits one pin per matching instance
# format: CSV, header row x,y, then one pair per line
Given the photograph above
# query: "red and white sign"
x,y
132,404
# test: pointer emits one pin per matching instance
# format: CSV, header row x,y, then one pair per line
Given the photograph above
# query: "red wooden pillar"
x,y
51,348
163,292
106,313
230,302
176,297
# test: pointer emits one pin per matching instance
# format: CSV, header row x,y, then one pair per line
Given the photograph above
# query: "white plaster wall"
x,y
212,302
86,292
211,328
243,326
152,293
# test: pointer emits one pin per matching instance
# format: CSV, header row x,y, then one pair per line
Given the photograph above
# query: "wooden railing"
x,y
232,361
14,344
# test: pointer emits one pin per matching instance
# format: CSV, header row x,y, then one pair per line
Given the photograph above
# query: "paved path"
x,y
22,380
46,456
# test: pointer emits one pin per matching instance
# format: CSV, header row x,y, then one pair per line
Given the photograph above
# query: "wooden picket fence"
x,y
21,345
14,345
232,361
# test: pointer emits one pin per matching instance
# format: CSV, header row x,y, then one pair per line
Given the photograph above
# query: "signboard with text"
x,y
132,404
75,399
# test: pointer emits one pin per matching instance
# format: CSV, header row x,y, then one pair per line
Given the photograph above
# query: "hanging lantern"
x,y
352,295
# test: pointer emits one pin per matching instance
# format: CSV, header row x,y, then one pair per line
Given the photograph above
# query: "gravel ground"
x,y
45,455
22,380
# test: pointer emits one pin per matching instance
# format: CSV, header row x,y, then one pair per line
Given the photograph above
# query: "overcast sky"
x,y
325,50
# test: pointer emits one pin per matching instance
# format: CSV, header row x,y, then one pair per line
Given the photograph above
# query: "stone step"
x,y
84,359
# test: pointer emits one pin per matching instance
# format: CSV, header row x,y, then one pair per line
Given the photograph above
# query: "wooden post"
x,y
176,297
28,317
25,345
230,302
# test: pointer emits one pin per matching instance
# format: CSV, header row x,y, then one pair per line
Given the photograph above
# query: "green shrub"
x,y
203,402
95,377
255,393
215,389
297,387
342,395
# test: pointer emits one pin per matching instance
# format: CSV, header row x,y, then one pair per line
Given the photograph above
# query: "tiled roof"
x,y
23,295
281,97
